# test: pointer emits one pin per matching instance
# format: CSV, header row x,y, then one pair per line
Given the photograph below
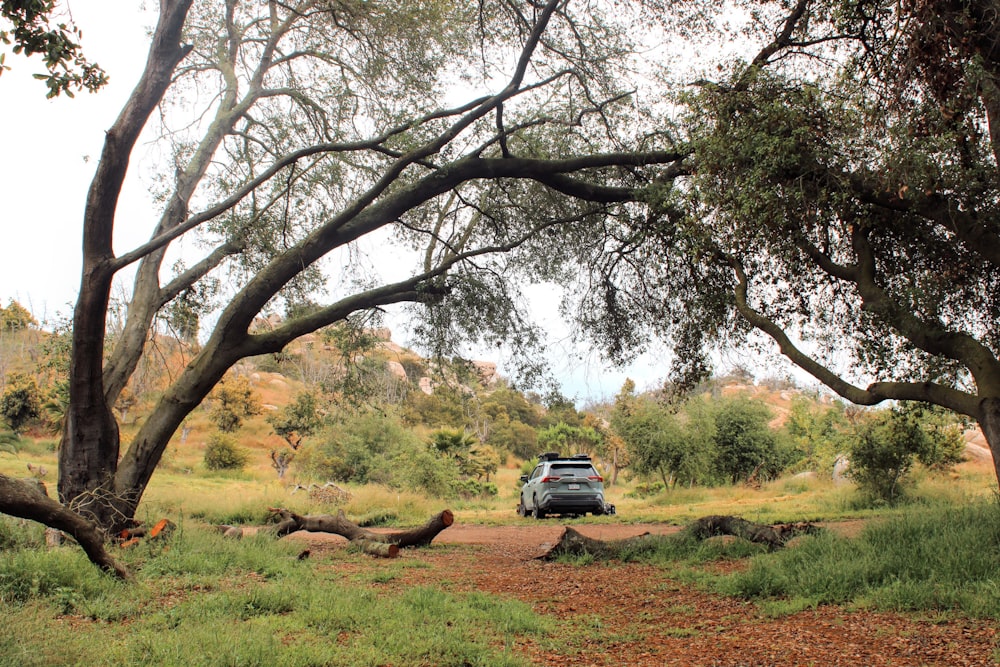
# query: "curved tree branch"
x,y
27,501
875,393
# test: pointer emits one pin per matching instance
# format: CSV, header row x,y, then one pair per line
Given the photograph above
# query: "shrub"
x,y
888,444
473,488
21,402
222,453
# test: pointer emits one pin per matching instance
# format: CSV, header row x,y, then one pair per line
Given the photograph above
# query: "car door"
x,y
531,487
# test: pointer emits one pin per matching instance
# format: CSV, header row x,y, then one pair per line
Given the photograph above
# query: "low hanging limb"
x,y
28,501
376,544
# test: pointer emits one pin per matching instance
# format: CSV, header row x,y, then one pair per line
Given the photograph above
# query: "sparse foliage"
x,y
888,443
296,420
233,401
16,317
34,31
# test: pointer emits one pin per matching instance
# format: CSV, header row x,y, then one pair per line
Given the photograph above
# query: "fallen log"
x,y
377,544
774,536
27,501
574,543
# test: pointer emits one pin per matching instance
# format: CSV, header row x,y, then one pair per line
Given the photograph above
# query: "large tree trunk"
x,y
989,421
27,501
88,454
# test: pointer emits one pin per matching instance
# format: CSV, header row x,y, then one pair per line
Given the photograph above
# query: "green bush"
x,y
886,446
223,453
473,488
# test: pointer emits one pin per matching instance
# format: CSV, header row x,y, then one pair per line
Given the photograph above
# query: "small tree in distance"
x,y
20,402
233,401
888,443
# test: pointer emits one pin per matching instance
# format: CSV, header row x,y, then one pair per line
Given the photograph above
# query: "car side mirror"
x,y
524,478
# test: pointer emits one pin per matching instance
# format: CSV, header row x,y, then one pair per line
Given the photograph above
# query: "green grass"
x,y
938,559
211,601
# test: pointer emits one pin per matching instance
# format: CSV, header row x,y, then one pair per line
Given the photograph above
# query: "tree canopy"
x,y
839,196
460,141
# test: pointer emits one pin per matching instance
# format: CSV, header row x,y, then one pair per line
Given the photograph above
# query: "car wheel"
x,y
536,511
521,509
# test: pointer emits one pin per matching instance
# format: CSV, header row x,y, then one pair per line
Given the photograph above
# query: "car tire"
x,y
536,511
521,509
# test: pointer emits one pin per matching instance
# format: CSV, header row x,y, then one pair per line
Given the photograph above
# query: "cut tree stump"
x,y
386,545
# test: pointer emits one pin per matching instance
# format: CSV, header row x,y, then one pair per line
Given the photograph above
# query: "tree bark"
x,y
376,544
27,501
88,455
989,421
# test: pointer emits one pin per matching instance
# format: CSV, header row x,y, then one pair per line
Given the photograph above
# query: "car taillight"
x,y
595,478
550,478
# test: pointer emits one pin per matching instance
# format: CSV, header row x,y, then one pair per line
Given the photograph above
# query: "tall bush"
x,y
888,443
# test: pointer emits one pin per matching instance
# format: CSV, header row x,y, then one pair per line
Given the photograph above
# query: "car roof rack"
x,y
548,456
581,457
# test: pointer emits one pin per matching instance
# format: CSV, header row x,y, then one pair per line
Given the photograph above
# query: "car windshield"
x,y
573,470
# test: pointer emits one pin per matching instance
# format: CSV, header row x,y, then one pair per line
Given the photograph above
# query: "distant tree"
x,y
560,410
481,462
744,444
452,442
296,420
16,317
816,431
233,400
20,402
444,407
678,447
567,440
886,445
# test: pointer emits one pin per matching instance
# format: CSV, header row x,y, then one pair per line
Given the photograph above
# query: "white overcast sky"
x,y
49,150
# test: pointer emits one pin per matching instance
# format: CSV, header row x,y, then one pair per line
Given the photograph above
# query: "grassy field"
x,y
201,599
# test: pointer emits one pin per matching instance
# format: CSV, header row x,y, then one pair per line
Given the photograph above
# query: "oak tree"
x,y
459,140
840,197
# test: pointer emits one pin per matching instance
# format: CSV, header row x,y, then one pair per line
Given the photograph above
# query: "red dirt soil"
x,y
643,617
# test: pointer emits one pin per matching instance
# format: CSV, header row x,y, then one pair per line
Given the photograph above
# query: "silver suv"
x,y
562,486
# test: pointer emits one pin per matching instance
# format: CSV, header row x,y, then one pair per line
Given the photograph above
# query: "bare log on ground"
x,y
774,537
574,543
27,501
376,544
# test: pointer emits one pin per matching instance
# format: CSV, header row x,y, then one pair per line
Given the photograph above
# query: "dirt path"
x,y
628,614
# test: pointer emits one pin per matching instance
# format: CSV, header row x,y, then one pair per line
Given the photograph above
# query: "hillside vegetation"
x,y
350,407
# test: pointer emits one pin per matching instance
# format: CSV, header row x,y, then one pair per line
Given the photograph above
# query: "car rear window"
x,y
573,469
